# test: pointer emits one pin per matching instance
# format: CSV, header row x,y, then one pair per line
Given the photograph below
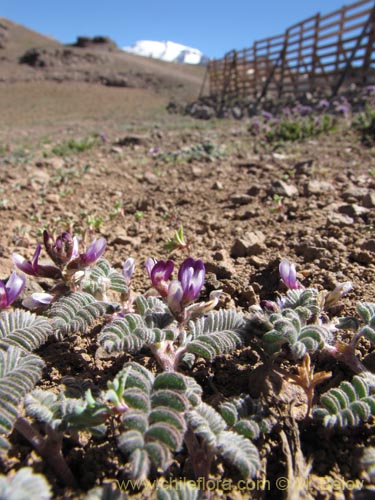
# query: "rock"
x,y
368,200
196,171
217,186
311,252
122,238
362,257
132,140
354,193
240,199
237,113
368,245
54,163
318,187
281,188
304,167
337,219
250,244
353,210
150,178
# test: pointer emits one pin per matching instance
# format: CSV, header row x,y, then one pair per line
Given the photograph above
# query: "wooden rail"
x,y
319,53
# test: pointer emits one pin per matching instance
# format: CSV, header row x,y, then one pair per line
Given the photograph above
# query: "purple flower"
x,y
11,290
94,252
128,270
191,276
159,273
174,299
255,126
63,250
80,261
187,287
323,104
267,116
288,275
32,267
38,300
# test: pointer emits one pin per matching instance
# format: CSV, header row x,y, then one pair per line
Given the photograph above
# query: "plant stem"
x,y
49,448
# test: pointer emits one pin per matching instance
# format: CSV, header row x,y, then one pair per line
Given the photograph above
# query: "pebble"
x,y
281,188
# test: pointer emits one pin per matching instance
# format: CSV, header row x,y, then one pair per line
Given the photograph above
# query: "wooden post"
x,y
366,30
369,49
315,53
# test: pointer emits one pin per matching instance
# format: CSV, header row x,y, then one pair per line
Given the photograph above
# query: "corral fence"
x,y
319,53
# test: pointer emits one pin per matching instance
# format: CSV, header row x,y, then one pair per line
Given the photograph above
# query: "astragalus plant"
x,y
158,413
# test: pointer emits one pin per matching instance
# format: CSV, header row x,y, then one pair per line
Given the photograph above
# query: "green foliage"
x,y
246,417
131,333
23,329
25,484
73,146
365,125
217,333
348,405
211,428
76,312
299,129
103,278
62,413
19,372
154,424
290,328
366,310
307,298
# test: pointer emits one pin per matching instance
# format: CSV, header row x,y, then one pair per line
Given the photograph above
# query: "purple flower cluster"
x,y
64,252
181,292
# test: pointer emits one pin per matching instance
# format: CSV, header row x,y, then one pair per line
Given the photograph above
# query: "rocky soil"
x,y
243,206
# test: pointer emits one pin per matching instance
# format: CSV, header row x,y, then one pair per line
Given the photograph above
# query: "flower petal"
x,y
14,286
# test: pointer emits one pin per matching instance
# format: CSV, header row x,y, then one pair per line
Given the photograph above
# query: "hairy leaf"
x,y
18,375
23,329
348,405
25,484
76,312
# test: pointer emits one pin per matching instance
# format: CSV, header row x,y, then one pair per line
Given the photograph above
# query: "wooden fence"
x,y
321,52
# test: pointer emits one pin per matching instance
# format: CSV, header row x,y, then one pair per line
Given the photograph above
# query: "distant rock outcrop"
x,y
43,58
96,42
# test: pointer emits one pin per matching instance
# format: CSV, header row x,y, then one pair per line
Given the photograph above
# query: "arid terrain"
x,y
80,150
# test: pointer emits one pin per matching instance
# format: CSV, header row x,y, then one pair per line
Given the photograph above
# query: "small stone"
x,y
368,245
117,150
354,192
250,244
150,178
353,210
196,171
281,188
122,238
362,257
240,199
368,200
341,220
304,167
318,187
218,186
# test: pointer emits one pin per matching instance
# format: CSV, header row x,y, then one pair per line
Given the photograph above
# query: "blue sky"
x,y
212,26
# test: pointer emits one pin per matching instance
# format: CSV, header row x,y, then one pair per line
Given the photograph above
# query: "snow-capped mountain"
x,y
168,51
